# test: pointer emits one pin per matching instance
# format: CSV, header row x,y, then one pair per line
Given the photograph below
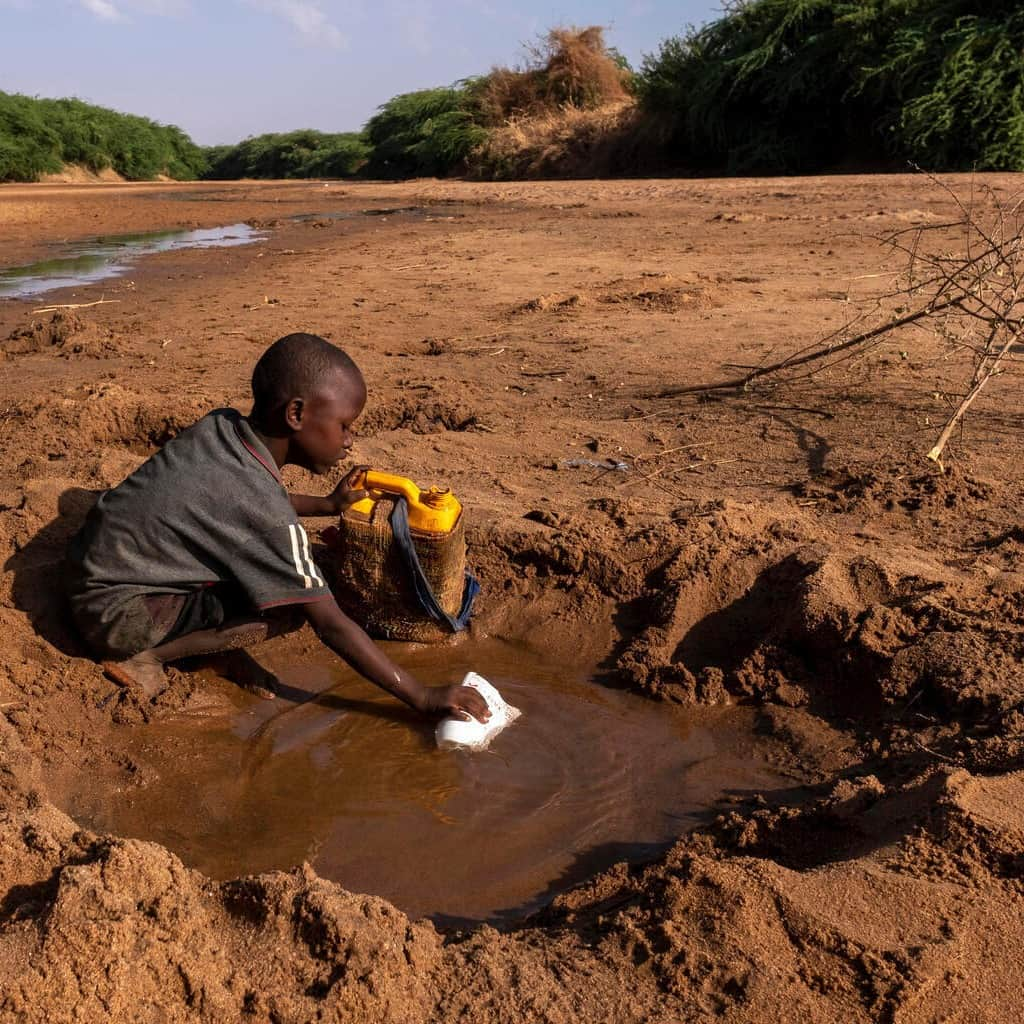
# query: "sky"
x,y
226,69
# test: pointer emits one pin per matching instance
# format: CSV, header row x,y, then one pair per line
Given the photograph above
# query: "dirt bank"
x,y
789,550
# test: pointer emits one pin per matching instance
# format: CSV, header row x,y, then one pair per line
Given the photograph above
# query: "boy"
x,y
201,550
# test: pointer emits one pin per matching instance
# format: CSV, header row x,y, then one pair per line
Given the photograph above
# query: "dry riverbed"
x,y
828,632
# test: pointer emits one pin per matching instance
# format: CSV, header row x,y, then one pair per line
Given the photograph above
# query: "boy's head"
x,y
309,392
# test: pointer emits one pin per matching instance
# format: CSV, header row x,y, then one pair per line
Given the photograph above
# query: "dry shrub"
x,y
569,67
579,71
565,143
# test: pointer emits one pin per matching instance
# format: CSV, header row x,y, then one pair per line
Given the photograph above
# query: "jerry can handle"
x,y
389,483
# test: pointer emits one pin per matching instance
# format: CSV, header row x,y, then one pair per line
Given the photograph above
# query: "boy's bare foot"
x,y
142,671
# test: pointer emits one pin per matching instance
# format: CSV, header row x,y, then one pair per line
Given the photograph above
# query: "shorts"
x,y
146,621
208,608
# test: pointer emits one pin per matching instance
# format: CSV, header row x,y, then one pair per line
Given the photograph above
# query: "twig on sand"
x,y
651,476
644,456
987,367
947,431
647,416
489,350
682,469
698,465
75,305
928,750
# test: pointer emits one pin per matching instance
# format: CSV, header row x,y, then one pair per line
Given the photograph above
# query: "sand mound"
x,y
66,334
75,174
419,416
653,293
87,419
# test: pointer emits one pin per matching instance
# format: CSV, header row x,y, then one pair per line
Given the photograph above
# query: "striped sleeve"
x,y
280,568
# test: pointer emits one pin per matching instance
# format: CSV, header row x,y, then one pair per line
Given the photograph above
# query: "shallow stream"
x,y
352,782
97,259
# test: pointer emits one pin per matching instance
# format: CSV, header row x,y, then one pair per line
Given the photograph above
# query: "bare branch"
x,y
738,383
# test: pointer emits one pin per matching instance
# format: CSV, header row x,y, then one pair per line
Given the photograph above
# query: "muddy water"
x,y
353,783
97,259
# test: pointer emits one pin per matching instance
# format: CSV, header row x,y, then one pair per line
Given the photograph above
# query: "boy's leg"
x,y
145,670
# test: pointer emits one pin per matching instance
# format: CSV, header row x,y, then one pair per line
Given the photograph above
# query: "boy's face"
x,y
322,424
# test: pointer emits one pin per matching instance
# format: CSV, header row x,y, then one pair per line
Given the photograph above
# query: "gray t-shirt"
x,y
208,508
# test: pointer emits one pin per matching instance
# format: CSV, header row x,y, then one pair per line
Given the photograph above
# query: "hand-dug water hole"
x,y
352,782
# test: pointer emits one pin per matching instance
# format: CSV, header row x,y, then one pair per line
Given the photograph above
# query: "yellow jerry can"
x,y
400,560
435,510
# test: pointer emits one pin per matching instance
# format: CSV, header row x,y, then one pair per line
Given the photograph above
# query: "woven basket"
x,y
373,585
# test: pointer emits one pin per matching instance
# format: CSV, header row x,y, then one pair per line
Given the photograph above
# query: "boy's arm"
x,y
351,644
332,504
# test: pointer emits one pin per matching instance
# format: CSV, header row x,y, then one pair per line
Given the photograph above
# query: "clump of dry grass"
x,y
569,67
563,143
569,112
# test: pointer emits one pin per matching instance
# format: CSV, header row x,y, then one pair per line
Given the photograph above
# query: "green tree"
x,y
803,85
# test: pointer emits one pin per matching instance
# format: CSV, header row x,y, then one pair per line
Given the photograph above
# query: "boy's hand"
x,y
460,702
346,493
348,641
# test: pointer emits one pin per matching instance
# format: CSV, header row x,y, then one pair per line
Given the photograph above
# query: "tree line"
x,y
771,86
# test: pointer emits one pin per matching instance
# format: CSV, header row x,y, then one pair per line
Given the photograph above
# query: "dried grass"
x,y
564,143
569,67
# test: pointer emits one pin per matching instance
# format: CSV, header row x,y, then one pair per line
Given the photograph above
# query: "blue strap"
x,y
421,585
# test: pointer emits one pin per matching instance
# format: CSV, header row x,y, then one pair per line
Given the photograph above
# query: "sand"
x,y
789,549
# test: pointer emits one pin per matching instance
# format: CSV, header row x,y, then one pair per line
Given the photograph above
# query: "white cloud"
x,y
308,19
103,9
168,8
108,10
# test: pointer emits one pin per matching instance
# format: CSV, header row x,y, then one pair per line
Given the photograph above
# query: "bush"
x,y
567,143
28,146
436,131
425,133
768,87
39,136
950,85
299,154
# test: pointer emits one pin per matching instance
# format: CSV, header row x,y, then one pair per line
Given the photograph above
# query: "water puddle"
x,y
99,259
353,783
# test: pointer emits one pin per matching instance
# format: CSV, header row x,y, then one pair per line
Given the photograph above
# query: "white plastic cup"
x,y
455,734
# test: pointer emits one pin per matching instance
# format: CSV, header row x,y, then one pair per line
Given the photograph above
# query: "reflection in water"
x,y
98,259
353,783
